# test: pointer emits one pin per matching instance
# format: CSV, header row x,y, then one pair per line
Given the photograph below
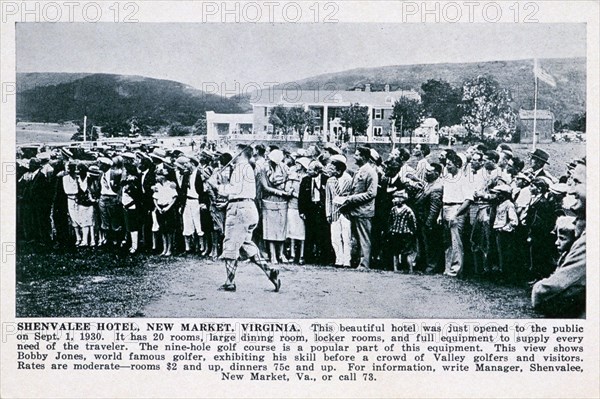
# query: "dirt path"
x,y
104,283
324,292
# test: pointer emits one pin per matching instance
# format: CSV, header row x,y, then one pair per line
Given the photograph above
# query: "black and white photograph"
x,y
301,171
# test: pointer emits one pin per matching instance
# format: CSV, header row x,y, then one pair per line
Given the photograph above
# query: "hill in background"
x,y
105,98
565,100
108,98
28,81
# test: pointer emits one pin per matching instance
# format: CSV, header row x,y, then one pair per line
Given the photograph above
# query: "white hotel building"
x,y
327,105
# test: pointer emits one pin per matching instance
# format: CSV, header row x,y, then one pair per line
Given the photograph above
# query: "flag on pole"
x,y
542,75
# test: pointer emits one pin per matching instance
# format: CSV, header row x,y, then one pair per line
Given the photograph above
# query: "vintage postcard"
x,y
344,199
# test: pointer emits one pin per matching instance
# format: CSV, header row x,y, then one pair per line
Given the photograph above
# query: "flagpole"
x,y
84,127
535,92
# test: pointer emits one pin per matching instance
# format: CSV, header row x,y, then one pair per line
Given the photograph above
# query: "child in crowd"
x,y
165,196
565,236
402,229
505,223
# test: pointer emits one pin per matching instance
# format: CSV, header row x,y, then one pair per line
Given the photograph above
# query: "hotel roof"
x,y
295,96
541,114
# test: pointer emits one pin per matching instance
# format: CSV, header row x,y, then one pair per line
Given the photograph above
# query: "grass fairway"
x,y
31,132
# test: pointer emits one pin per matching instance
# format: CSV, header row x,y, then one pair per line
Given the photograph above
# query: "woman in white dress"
x,y
71,188
85,207
296,231
275,204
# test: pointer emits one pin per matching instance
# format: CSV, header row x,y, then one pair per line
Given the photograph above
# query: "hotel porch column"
x,y
325,121
370,128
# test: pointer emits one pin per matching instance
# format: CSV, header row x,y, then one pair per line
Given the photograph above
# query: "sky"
x,y
226,54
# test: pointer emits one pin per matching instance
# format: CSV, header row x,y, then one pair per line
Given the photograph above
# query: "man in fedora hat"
x,y
428,207
360,203
37,197
538,160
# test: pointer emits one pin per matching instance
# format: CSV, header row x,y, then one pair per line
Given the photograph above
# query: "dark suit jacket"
x,y
146,200
306,206
429,204
198,185
38,190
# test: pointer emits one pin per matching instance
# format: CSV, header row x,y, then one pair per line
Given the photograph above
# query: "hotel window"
x,y
377,130
267,111
377,113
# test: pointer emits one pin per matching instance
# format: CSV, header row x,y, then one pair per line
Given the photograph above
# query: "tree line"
x,y
479,104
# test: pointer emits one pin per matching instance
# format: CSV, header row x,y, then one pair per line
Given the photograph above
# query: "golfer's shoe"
x,y
227,287
274,277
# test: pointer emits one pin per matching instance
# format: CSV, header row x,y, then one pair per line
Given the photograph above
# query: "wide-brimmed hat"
x,y
194,160
93,170
128,155
540,154
559,188
105,161
159,154
375,155
276,156
304,161
181,162
338,158
332,148
43,156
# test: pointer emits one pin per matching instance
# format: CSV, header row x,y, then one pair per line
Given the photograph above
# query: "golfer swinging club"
x,y
240,221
